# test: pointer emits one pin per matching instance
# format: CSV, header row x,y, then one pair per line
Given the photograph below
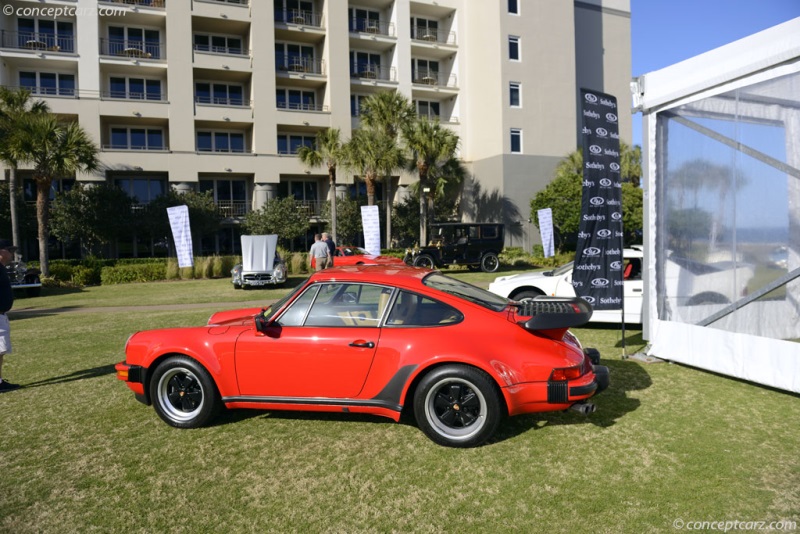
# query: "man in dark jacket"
x,y
331,247
6,301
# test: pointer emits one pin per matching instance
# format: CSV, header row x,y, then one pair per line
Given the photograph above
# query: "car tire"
x,y
458,406
527,295
490,262
237,286
183,393
708,298
425,260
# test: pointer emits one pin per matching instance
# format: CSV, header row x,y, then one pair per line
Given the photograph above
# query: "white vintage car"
x,y
261,264
688,283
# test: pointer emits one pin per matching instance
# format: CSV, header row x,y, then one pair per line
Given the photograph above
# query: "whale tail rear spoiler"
x,y
553,313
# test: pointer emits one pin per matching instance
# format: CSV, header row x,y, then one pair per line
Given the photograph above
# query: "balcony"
x,y
136,148
298,64
132,49
372,27
66,92
299,17
433,35
300,106
226,150
366,71
37,42
132,95
235,2
234,102
232,208
434,79
225,50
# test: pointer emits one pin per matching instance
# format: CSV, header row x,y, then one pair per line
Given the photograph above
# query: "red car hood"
x,y
234,317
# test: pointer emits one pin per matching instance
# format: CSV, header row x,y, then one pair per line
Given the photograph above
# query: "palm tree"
x,y
14,105
431,146
327,151
54,149
389,112
371,154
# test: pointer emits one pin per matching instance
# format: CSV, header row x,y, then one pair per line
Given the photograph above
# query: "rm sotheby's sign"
x,y
597,274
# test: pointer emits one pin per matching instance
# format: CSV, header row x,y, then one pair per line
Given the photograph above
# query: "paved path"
x,y
23,312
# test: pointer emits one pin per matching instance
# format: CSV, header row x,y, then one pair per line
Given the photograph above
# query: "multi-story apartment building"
x,y
219,94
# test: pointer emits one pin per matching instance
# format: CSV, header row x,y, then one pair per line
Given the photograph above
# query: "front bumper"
x,y
134,377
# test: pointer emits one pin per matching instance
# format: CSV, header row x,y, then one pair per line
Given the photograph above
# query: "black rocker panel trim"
x,y
315,401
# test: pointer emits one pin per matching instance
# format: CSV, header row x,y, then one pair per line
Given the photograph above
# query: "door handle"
x,y
361,344
637,290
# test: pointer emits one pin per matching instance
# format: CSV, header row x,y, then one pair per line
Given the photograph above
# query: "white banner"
x,y
546,231
181,234
372,229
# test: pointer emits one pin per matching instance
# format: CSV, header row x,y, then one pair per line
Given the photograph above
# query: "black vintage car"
x,y
475,245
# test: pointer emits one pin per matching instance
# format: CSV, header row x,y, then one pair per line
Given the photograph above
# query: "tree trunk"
x,y
370,189
12,194
332,179
423,206
388,182
43,220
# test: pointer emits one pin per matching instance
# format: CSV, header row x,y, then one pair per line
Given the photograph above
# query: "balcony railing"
x,y
366,71
232,208
301,106
299,17
373,27
37,41
237,2
70,92
133,95
432,35
227,50
237,102
433,78
224,151
136,148
132,49
146,3
300,64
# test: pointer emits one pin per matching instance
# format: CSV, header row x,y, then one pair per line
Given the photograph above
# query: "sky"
x,y
664,32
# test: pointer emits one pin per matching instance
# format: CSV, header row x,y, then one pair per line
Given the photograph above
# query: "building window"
x,y
516,141
220,94
294,11
229,195
427,109
291,143
133,42
300,190
424,29
134,88
46,34
364,20
365,65
514,95
295,99
142,189
513,48
125,138
295,57
29,187
425,71
218,44
216,141
48,83
513,7
357,104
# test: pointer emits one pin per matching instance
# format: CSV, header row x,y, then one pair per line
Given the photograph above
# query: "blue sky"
x,y
664,32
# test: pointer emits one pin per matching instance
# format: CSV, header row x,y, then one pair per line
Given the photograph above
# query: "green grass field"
x,y
79,454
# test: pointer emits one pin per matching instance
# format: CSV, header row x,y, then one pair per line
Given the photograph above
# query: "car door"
x,y
321,346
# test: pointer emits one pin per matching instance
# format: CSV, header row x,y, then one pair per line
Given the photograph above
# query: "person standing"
x,y
6,301
319,252
331,247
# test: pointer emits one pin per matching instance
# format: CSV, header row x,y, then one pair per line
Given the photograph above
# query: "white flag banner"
x,y
372,229
181,234
546,231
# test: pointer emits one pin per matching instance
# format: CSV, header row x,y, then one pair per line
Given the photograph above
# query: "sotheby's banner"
x,y
597,273
181,234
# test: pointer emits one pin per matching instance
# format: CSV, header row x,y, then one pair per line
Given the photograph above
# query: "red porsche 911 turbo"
x,y
375,339
358,256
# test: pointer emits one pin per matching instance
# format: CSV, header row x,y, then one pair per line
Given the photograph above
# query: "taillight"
x,y
566,373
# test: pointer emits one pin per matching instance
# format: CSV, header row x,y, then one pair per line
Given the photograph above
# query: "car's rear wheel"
x,y
457,406
708,298
527,295
183,393
425,260
490,262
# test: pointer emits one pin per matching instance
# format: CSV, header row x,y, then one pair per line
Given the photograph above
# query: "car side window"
x,y
296,313
353,305
489,232
410,309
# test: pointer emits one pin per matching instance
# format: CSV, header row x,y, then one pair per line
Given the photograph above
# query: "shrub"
x,y
122,274
61,272
172,272
87,276
298,263
216,267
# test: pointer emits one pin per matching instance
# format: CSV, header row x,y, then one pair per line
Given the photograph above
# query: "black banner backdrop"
x,y
597,273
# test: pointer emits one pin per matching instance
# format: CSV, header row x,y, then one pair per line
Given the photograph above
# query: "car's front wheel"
x,y
529,294
457,406
490,262
183,393
425,260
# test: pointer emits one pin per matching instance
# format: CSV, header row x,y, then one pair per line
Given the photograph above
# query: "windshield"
x,y
558,271
273,308
465,291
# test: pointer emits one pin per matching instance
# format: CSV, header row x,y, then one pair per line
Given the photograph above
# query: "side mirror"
x,y
267,328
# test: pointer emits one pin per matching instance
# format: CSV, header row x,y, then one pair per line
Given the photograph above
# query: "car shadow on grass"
x,y
94,372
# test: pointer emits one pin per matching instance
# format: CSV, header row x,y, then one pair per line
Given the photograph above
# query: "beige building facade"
x,y
218,94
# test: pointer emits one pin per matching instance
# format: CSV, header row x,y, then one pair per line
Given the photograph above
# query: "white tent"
x,y
721,146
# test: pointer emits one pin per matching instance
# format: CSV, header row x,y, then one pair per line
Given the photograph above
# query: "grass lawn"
x,y
79,454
